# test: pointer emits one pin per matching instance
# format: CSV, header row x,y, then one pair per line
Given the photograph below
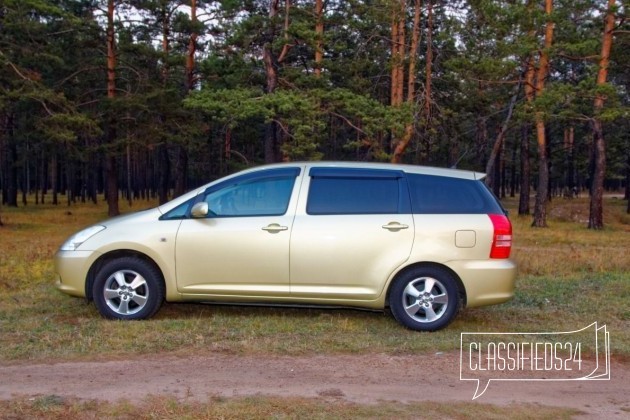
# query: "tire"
x,y
425,299
128,288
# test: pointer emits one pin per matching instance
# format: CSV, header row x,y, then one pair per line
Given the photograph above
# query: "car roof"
x,y
412,169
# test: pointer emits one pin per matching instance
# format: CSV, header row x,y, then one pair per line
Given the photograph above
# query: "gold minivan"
x,y
423,242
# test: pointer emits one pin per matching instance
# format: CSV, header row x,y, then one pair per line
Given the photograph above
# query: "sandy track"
x,y
362,379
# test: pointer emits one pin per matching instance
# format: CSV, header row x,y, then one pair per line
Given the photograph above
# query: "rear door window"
x,y
356,191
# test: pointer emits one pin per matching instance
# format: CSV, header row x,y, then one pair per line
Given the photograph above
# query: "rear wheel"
x,y
425,299
128,288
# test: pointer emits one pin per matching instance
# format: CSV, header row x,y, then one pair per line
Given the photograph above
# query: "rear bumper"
x,y
487,282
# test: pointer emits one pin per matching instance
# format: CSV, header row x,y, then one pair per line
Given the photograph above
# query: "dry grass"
x,y
567,247
54,407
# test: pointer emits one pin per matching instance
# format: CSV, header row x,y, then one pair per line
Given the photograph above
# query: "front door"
x,y
242,247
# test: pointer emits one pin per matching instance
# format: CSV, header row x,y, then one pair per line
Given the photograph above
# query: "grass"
x,y
54,407
569,277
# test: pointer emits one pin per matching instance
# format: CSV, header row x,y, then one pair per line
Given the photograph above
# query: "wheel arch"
x,y
426,264
114,255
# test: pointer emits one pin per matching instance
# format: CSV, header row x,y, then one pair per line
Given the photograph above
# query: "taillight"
x,y
502,237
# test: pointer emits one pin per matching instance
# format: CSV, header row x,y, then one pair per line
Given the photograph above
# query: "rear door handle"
x,y
395,226
274,228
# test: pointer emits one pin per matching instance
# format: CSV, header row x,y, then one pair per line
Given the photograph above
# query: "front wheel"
x,y
425,299
128,288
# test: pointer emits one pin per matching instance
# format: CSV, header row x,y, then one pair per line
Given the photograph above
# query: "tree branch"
x,y
348,122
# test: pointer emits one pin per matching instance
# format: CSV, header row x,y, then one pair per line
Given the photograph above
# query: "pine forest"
x,y
146,99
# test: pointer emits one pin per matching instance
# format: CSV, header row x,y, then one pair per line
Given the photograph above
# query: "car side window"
x,y
178,213
265,196
446,195
339,191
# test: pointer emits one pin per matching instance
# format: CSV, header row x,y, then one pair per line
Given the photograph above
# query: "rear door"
x,y
352,230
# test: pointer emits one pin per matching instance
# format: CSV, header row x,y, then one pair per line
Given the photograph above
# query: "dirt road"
x,y
357,378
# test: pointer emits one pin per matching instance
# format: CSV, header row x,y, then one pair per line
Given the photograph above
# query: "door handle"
x,y
395,226
274,228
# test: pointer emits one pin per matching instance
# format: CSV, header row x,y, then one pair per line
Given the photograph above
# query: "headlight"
x,y
78,238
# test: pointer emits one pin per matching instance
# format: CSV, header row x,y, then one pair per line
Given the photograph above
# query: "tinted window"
x,y
439,195
339,191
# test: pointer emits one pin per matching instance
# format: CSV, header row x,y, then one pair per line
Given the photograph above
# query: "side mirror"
x,y
199,210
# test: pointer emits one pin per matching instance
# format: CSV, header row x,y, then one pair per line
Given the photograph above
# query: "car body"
x,y
421,241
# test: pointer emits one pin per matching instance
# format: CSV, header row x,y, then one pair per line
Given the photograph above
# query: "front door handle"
x,y
274,228
395,226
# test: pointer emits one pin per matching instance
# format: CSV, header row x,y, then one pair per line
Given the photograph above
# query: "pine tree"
x,y
596,217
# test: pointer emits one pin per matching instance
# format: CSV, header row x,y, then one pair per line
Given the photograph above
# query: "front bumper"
x,y
71,268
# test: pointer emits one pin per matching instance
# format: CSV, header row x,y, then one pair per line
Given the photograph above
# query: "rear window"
x,y
444,195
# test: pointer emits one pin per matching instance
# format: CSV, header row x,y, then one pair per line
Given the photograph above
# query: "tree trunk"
x,y
165,44
481,139
181,169
111,164
1,178
272,141
401,145
596,216
128,171
513,171
111,169
542,188
271,148
402,47
26,178
164,176
398,53
523,201
429,66
44,179
319,36
10,185
2,183
530,92
569,139
542,191
12,181
496,185
54,167
192,48
69,183
498,143
595,219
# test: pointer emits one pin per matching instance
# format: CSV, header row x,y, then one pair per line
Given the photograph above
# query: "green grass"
x,y
569,277
54,407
